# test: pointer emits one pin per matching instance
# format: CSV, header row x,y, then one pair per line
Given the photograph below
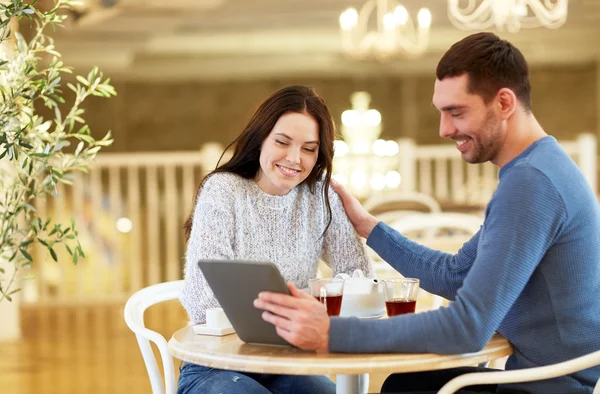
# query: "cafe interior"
x,y
188,76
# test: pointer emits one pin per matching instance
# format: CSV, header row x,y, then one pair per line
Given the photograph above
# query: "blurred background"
x,y
190,73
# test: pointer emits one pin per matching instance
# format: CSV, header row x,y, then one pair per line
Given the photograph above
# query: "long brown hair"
x,y
246,153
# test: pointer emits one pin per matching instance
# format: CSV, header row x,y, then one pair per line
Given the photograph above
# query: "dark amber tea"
x,y
398,306
334,304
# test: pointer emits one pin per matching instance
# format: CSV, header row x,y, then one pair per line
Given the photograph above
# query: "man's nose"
x,y
447,128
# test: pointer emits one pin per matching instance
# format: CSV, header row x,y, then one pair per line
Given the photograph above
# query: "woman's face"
x,y
288,154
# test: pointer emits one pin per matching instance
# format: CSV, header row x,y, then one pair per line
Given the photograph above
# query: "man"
x,y
532,272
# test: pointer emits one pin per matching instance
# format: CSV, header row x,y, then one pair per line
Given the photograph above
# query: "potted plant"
x,y
37,153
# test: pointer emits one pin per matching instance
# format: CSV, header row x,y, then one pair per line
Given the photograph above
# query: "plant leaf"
x,y
25,254
53,254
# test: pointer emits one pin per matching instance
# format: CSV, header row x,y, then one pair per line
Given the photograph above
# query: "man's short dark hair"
x,y
491,64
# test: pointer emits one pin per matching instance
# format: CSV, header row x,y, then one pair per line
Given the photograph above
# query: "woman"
x,y
269,203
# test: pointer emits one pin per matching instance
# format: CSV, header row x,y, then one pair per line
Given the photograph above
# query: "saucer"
x,y
373,317
202,329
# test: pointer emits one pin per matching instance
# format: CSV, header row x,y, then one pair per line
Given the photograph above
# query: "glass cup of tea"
x,y
400,295
328,291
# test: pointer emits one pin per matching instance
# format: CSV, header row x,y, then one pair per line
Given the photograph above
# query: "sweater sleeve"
x,y
212,237
523,220
343,250
440,273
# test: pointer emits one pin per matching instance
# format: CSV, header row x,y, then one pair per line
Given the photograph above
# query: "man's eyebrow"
x,y
452,108
291,139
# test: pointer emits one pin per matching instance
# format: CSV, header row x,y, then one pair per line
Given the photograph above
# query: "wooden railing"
x,y
154,193
438,170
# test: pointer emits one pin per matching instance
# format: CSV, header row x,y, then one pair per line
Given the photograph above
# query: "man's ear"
x,y
505,103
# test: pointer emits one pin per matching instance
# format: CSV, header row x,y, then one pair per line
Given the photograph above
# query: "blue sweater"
x,y
531,273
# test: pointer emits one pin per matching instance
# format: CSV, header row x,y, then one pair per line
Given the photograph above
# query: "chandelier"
x,y
395,31
362,161
511,15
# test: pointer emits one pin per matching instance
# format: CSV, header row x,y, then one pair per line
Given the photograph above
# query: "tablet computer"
x,y
236,284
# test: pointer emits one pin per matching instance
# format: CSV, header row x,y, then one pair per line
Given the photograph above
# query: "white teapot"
x,y
362,297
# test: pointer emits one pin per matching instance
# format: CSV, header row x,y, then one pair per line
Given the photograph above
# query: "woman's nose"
x,y
293,156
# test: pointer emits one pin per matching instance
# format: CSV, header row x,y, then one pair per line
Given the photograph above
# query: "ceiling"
x,y
233,39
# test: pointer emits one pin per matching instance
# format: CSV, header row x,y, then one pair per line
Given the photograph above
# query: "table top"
x,y
229,352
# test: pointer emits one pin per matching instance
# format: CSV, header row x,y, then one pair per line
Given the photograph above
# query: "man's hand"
x,y
299,319
362,220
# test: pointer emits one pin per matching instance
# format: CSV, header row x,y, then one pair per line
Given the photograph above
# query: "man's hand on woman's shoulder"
x,y
362,220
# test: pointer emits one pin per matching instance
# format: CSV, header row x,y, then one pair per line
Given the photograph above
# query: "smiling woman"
x,y
292,116
270,202
289,154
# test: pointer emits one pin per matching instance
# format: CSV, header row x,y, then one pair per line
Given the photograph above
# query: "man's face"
x,y
468,120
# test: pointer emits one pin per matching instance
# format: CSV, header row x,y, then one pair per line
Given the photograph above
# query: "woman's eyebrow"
x,y
291,139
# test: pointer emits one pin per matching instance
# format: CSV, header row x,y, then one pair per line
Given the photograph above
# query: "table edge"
x,y
363,363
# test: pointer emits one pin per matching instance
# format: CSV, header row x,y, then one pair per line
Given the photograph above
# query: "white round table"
x,y
230,353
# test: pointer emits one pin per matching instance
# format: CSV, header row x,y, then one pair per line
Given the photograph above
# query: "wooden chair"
x,y
443,231
525,375
390,205
134,317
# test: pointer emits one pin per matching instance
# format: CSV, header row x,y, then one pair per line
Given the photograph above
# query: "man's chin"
x,y
469,159
472,159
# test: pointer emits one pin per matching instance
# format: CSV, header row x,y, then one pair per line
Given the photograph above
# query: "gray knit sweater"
x,y
235,219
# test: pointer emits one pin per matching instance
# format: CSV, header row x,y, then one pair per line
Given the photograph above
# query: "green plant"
x,y
34,152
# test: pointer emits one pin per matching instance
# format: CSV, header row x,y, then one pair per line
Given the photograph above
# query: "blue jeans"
x,y
196,379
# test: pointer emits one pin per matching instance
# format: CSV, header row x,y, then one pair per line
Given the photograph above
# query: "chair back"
x,y
526,374
399,201
392,206
134,318
443,231
463,222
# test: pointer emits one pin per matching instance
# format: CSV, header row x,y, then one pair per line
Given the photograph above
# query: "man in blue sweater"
x,y
531,273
